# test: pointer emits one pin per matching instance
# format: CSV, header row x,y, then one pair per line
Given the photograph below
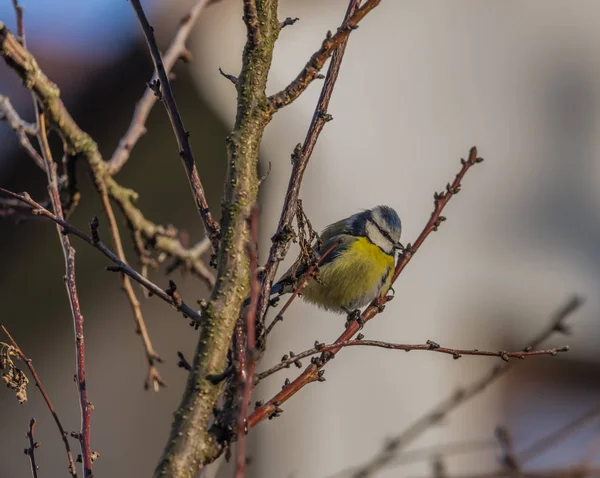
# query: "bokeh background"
x,y
421,83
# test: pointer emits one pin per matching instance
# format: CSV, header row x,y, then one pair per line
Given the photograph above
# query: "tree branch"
x,y
30,451
63,433
190,444
79,142
300,157
69,255
94,241
429,346
177,49
313,372
461,396
182,135
22,130
317,61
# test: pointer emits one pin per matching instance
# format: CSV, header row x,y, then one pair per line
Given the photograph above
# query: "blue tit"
x,y
358,270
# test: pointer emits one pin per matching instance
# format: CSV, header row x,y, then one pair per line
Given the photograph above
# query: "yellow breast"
x,y
353,279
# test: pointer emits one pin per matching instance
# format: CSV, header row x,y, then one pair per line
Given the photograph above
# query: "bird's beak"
x,y
399,247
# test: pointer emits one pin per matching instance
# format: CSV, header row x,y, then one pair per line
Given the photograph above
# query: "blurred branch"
x,y
30,451
460,396
162,89
69,255
78,142
190,444
317,61
173,300
430,346
247,355
22,130
314,371
177,49
63,433
302,153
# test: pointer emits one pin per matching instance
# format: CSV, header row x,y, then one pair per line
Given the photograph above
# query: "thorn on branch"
x,y
288,22
231,78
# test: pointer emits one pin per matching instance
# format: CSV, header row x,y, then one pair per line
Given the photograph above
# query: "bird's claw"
x,y
355,315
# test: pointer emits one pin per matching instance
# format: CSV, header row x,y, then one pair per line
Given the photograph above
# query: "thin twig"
x,y
430,346
300,158
249,353
69,254
509,459
153,377
120,266
313,372
22,129
460,396
317,61
30,451
182,135
177,49
78,142
36,378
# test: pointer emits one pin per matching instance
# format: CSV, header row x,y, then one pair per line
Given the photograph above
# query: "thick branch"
x,y
317,61
185,149
190,444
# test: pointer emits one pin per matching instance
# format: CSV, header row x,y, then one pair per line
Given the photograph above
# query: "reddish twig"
x,y
461,396
317,61
313,372
311,270
36,378
300,158
30,451
173,300
163,88
177,49
69,254
430,346
248,363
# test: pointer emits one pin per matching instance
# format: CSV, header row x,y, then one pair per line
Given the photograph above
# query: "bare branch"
x,y
317,61
300,157
182,135
429,346
120,266
30,451
69,255
287,22
22,129
137,127
460,396
313,372
248,355
63,433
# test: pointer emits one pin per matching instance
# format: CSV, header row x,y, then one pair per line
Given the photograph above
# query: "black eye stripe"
x,y
384,233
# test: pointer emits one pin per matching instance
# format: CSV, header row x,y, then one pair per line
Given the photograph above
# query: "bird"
x,y
358,269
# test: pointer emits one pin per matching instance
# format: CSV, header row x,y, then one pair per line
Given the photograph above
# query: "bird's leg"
x,y
354,315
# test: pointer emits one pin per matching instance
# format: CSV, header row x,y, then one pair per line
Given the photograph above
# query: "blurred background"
x,y
421,83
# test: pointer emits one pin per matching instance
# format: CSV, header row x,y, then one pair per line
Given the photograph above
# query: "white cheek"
x,y
379,239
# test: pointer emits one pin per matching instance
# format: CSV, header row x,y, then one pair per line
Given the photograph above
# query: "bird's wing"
x,y
287,282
